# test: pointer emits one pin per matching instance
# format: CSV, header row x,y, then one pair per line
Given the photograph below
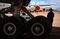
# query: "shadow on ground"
x,y
55,34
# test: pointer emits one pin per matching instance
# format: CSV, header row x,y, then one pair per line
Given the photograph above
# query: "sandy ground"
x,y
55,34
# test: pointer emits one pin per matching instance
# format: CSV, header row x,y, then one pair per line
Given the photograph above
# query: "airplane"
x,y
39,8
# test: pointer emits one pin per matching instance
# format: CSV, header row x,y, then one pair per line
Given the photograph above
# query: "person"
x,y
44,9
50,16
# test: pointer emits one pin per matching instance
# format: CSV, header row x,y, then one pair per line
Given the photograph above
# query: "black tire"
x,y
38,28
11,28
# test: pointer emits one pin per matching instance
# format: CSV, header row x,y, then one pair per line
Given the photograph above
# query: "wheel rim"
x,y
37,29
9,29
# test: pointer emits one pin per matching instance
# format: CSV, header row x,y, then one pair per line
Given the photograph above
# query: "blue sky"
x,y
55,2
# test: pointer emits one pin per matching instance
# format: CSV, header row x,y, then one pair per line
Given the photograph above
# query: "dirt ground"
x,y
55,34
